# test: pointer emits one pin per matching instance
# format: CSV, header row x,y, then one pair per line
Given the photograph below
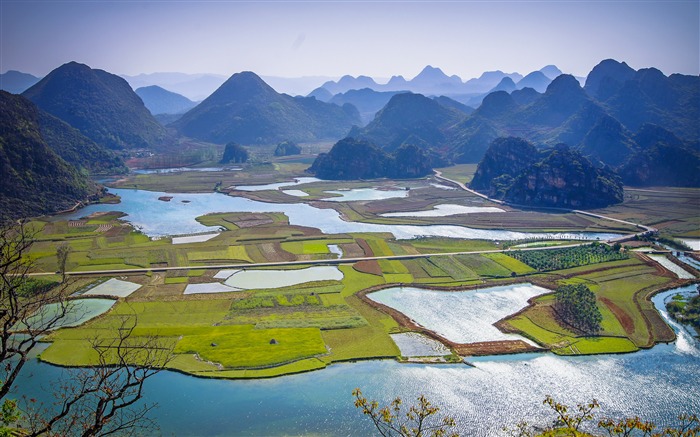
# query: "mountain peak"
x,y
430,73
551,71
535,80
495,104
241,86
99,104
247,110
564,83
608,76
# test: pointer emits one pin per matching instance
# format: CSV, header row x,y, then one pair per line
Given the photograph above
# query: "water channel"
x,y
156,218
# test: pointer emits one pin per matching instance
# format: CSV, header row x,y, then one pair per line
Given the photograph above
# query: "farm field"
x,y
274,331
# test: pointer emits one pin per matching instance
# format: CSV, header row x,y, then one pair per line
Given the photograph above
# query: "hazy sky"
x,y
380,39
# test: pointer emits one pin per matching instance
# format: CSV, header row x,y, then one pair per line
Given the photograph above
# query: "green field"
x,y
622,294
229,335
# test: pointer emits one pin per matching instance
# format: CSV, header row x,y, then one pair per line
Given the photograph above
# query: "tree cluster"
x,y
576,305
566,258
287,148
687,312
234,153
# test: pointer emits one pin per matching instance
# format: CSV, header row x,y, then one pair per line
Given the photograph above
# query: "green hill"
x,y
102,106
513,170
247,110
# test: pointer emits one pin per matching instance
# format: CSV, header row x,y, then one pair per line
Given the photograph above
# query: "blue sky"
x,y
380,39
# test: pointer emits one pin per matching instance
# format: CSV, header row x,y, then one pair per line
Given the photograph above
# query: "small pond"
x,y
113,287
359,194
334,248
296,193
78,311
275,186
460,316
693,243
413,344
670,265
258,279
444,211
182,169
199,238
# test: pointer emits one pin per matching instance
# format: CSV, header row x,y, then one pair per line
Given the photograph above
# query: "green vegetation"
x,y
565,258
234,153
244,346
685,310
346,327
514,170
352,159
35,179
622,292
576,305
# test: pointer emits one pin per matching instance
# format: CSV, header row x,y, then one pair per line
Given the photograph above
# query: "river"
x,y
656,384
177,217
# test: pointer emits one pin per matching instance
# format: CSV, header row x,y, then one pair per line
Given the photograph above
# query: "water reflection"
x,y
157,218
656,384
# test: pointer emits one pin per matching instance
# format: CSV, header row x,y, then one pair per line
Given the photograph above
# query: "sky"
x,y
324,38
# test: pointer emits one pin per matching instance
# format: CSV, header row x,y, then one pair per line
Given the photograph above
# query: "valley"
x,y
144,240
259,256
329,325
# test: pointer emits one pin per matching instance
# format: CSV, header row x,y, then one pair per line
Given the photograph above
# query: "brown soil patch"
x,y
273,252
371,267
495,348
624,318
365,247
351,250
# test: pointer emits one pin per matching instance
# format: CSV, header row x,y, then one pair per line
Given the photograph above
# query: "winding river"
x,y
156,218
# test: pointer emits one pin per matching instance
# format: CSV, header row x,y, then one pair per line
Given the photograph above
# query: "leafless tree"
x,y
29,309
104,399
99,400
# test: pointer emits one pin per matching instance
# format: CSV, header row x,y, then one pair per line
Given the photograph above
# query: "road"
x,y
439,175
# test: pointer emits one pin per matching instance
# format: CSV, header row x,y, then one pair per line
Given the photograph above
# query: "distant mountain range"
x,y
162,101
247,110
619,118
195,87
16,82
433,81
101,105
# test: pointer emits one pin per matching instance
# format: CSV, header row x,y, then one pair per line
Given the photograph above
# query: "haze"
x,y
380,39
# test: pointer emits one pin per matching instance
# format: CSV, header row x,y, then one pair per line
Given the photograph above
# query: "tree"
x,y
103,399
417,421
27,307
99,400
62,252
234,153
576,305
